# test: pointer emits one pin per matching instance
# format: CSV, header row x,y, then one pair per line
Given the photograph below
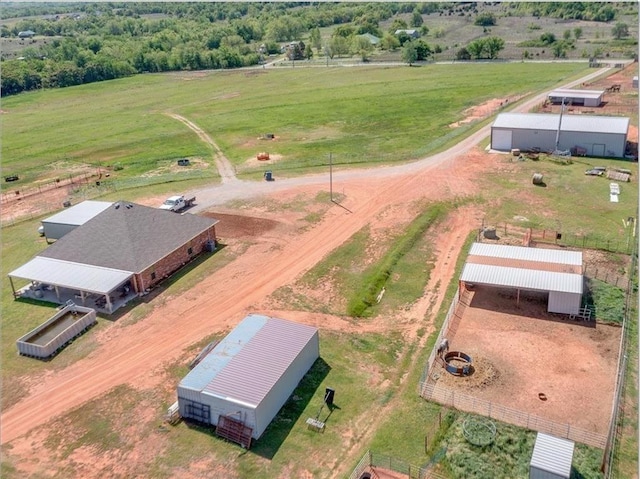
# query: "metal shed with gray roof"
x,y
58,225
556,272
600,136
551,458
250,374
577,97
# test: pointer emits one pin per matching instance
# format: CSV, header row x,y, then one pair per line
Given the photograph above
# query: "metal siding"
x,y
549,122
542,255
521,278
565,303
80,277
616,143
529,139
501,139
284,387
57,230
552,455
253,371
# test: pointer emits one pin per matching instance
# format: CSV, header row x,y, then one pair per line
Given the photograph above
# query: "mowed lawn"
x,y
371,114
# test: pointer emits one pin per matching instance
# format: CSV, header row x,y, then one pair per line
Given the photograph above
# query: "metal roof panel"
x,y
522,278
549,122
553,454
542,255
79,214
81,277
256,368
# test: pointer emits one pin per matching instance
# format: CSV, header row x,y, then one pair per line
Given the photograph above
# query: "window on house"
x,y
190,251
153,275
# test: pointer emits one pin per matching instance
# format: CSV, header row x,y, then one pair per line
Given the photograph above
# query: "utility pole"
x,y
330,177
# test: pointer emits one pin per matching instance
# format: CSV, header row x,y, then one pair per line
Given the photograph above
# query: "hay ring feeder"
x,y
479,431
458,363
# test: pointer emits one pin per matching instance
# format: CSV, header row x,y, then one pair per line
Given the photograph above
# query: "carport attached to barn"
x,y
556,272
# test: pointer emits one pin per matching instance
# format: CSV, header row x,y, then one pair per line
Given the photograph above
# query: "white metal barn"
x,y
58,225
551,458
250,374
556,272
602,136
577,97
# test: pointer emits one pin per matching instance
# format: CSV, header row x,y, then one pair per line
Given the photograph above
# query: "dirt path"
x,y
225,168
137,353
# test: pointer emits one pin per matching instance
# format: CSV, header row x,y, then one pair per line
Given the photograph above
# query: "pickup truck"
x,y
178,203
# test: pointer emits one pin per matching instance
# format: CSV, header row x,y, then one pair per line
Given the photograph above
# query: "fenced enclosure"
x,y
370,460
529,236
464,402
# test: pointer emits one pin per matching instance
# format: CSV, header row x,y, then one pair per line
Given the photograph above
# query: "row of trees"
x,y
80,43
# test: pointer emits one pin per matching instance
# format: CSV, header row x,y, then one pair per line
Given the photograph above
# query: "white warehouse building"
x,y
242,383
601,136
556,272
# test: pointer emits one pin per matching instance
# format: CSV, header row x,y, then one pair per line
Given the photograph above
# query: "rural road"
x,y
239,189
136,353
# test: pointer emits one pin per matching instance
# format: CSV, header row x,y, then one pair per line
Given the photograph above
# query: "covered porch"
x,y
57,281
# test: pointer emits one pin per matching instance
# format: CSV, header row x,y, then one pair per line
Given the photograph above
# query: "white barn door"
x,y
501,140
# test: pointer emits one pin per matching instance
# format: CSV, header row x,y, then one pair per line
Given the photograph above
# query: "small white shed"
x,y
577,97
552,458
58,225
634,82
249,375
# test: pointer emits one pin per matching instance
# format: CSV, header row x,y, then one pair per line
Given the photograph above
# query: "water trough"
x,y
54,334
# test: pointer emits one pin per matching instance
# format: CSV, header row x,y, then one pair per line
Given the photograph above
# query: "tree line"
x,y
83,43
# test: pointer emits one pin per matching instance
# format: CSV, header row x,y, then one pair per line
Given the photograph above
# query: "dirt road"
x,y
135,354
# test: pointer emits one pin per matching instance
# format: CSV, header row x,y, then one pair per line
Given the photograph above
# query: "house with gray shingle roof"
x,y
125,249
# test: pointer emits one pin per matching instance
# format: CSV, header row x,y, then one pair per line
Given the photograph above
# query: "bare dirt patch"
x,y
529,351
484,110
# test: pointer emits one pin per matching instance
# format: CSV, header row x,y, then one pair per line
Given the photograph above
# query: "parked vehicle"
x,y
178,203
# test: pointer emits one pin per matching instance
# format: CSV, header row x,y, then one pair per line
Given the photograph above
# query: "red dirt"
x,y
277,253
520,350
220,301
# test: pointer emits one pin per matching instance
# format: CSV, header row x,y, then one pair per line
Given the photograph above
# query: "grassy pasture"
x,y
363,114
288,442
571,202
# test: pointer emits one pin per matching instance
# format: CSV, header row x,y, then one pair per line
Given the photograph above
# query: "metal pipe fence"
x,y
371,460
614,245
464,402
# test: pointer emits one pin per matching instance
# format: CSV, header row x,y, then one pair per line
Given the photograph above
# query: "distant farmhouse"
x,y
26,34
410,33
120,252
371,38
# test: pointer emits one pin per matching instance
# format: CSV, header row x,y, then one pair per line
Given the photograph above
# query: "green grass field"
x,y
361,115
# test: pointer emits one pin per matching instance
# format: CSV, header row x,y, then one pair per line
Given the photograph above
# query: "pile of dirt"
x,y
483,374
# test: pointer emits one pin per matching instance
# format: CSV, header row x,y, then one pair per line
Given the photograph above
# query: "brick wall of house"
x,y
174,261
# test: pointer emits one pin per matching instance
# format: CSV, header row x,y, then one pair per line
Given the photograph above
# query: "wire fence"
x,y
615,435
464,402
33,202
548,236
370,461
